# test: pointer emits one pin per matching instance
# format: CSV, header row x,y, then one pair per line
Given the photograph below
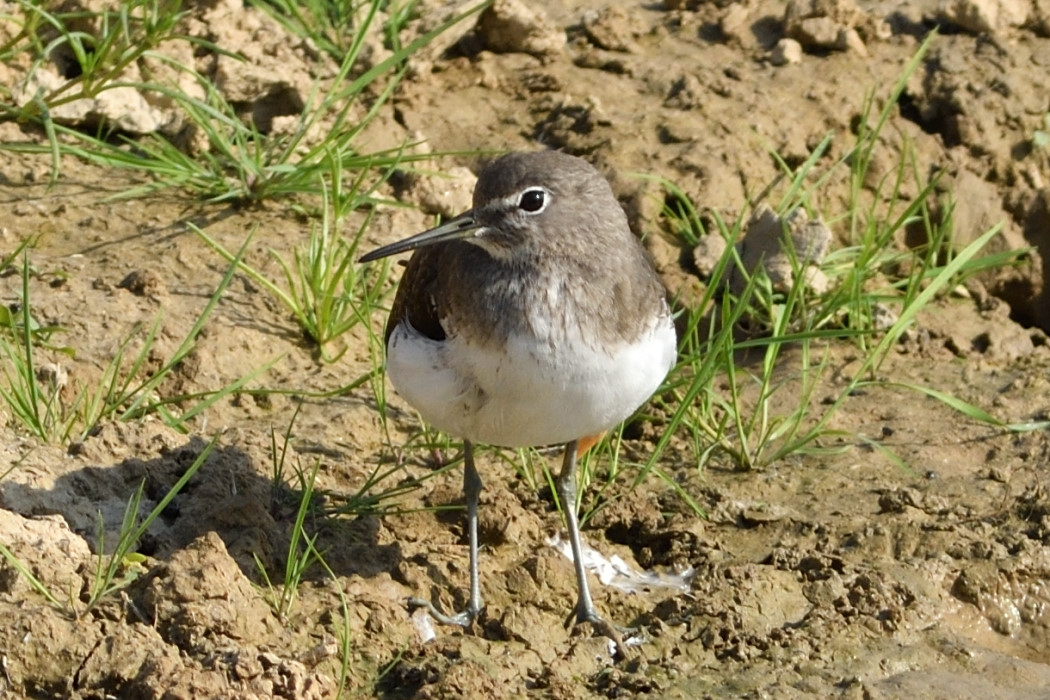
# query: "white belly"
x,y
533,393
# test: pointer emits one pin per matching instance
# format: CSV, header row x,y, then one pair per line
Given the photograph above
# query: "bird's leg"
x,y
472,490
585,610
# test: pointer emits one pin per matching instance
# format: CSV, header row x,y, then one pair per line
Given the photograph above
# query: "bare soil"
x,y
844,574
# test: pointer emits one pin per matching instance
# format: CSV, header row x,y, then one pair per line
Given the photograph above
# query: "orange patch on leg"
x,y
586,443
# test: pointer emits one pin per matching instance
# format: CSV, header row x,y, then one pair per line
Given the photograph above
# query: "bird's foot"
x,y
461,619
614,633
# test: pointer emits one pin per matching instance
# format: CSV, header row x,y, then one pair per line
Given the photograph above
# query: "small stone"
x,y
787,51
763,245
447,194
817,32
143,283
822,24
708,251
981,16
511,26
849,40
610,29
736,23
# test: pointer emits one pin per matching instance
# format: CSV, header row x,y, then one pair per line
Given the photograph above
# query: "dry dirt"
x,y
843,575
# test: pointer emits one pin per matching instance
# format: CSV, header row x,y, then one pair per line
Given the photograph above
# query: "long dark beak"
x,y
463,226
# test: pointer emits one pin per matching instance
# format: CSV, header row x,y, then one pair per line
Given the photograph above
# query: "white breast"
x,y
531,392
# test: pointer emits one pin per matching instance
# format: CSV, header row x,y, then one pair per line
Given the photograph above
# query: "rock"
x,y
448,193
123,108
610,29
511,26
849,40
707,252
431,16
816,32
51,647
980,16
824,24
976,206
54,375
202,601
763,244
787,51
883,317
736,24
273,78
144,283
989,332
48,548
127,650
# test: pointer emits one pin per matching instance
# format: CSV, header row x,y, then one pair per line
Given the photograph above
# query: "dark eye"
x,y
532,200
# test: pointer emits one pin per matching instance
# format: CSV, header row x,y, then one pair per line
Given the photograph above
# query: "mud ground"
x,y
910,559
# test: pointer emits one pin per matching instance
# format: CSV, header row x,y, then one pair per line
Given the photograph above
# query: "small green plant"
x,y
301,550
238,161
337,27
98,56
7,263
34,401
333,27
738,420
40,404
99,47
312,504
376,494
123,566
323,288
342,633
726,384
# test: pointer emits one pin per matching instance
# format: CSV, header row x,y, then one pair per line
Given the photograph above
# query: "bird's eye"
x,y
532,200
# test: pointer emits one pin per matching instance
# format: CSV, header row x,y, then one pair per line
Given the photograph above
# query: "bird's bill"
x,y
463,226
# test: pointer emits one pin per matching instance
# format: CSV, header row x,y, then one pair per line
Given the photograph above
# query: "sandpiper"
x,y
535,318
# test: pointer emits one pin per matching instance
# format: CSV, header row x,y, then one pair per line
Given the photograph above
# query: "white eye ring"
x,y
533,200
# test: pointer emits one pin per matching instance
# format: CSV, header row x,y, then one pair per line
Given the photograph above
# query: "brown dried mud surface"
x,y
914,561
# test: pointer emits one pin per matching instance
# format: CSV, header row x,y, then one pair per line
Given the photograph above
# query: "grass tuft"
x,y
41,404
232,159
326,293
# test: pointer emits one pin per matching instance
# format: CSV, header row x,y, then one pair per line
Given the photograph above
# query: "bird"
x,y
535,318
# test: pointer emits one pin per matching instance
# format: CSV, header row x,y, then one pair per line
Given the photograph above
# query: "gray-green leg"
x,y
585,610
472,490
